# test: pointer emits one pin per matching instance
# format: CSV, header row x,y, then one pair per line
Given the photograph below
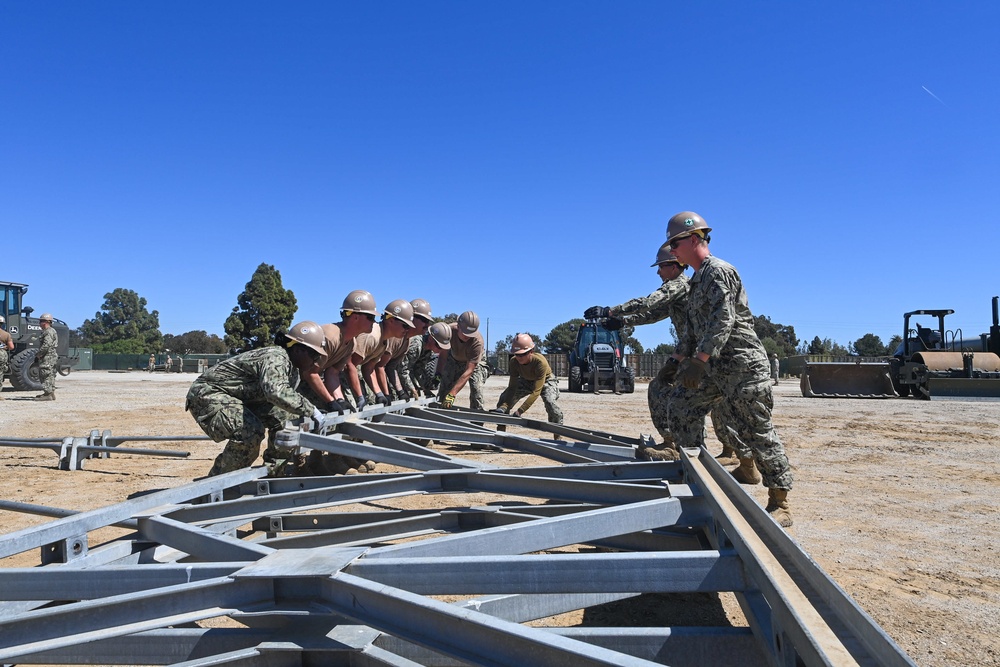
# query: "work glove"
x,y
500,410
691,372
594,312
614,323
362,402
317,416
338,405
382,398
668,373
517,413
449,400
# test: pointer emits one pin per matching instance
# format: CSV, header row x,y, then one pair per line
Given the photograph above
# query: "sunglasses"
x,y
677,242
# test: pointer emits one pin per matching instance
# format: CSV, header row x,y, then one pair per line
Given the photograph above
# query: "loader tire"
x,y
575,380
628,386
24,371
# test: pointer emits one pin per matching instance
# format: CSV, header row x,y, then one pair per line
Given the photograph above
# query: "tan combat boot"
x,y
727,457
746,473
777,507
46,397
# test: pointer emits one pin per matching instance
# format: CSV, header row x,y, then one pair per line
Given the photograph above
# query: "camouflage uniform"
x,y
4,355
403,368
424,372
670,300
48,359
242,397
719,324
454,369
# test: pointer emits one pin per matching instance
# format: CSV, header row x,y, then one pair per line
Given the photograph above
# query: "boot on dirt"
x,y
727,457
643,453
777,507
46,397
746,473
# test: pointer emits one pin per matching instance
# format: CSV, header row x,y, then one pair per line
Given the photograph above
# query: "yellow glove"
x,y
449,400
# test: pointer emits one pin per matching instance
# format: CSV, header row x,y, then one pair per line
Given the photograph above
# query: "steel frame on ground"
x,y
242,569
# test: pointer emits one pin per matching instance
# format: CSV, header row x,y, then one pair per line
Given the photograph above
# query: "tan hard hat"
x,y
401,310
422,309
685,224
665,255
47,317
468,323
360,301
441,333
309,334
522,344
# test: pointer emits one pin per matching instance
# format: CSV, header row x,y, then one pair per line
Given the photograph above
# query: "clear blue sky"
x,y
519,159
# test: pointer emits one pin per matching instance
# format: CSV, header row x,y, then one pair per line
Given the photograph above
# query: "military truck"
x,y
596,361
26,331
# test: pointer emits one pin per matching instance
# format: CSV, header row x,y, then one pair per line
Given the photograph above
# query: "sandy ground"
x,y
896,499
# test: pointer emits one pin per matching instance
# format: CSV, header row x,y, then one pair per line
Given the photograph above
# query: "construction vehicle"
x,y
595,362
928,363
25,332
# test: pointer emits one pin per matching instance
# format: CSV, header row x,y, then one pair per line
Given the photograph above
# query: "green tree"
x,y
663,348
783,335
124,326
818,346
195,342
894,342
772,346
265,309
868,345
562,337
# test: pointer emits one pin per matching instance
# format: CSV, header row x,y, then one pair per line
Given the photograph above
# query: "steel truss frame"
x,y
242,569
99,444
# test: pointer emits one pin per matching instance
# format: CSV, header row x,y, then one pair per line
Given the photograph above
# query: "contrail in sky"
x,y
933,95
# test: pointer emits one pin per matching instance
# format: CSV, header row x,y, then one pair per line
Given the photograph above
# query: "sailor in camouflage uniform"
x,y
246,395
670,300
48,358
465,363
6,347
725,362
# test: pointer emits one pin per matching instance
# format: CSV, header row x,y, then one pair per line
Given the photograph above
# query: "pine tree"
x,y
265,309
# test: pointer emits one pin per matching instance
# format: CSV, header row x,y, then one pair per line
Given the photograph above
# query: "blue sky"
x,y
519,159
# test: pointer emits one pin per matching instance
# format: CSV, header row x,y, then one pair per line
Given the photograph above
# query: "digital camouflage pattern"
x,y
241,399
403,367
48,359
719,323
424,372
453,370
669,300
4,355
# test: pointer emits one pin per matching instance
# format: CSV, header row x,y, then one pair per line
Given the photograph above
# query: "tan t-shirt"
x,y
466,351
369,346
396,347
338,352
4,337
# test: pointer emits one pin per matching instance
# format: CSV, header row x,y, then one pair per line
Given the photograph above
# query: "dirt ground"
x,y
898,500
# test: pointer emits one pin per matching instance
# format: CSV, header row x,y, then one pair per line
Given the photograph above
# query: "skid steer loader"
x,y
596,361
25,331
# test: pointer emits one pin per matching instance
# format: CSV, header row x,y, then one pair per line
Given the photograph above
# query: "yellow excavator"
x,y
929,363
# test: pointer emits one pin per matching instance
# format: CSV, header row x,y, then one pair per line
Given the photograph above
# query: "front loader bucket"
x,y
846,379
